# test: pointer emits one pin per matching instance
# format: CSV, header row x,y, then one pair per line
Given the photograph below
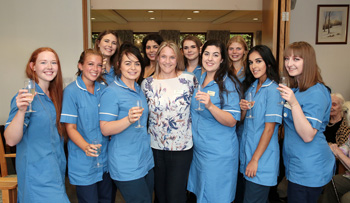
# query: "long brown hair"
x,y
113,58
311,73
55,87
198,45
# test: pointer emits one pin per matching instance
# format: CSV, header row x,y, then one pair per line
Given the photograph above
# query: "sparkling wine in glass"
x,y
98,152
139,105
29,84
199,101
250,104
283,81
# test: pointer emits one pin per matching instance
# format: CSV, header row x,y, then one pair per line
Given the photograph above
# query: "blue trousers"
x,y
139,190
255,193
299,193
102,192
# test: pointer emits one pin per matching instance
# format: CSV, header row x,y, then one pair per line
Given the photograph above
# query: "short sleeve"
x,y
315,107
273,110
69,107
231,100
109,108
13,112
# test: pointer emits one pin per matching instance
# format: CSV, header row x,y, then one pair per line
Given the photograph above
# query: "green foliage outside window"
x,y
247,36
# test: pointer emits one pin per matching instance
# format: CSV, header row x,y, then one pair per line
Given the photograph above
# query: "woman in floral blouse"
x,y
168,94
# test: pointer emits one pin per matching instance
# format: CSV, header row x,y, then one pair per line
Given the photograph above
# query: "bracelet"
x,y
291,106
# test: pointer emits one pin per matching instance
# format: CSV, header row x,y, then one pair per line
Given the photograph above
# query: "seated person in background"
x,y
338,128
339,188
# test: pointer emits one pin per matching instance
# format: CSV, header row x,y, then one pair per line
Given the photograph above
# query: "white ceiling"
x,y
205,16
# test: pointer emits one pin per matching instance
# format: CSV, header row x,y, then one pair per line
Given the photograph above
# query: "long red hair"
x,y
55,87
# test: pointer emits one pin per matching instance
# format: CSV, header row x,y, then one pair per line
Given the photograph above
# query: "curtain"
x,y
125,36
221,35
172,35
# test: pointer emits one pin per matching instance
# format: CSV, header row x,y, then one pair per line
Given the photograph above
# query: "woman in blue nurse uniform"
x,y
80,115
130,159
40,161
259,151
108,44
307,157
213,172
237,50
191,50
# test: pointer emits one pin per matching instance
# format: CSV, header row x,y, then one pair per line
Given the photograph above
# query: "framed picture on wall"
x,y
332,24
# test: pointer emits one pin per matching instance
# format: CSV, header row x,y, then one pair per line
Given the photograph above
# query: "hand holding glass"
x,y
250,104
139,105
199,101
98,152
29,84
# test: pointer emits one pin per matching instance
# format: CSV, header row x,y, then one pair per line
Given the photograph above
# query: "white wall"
x,y
332,59
27,25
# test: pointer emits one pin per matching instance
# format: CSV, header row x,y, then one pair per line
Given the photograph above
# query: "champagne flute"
x,y
29,84
250,104
139,105
98,152
284,82
199,101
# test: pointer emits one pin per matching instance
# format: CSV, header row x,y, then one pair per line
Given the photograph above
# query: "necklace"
x,y
332,124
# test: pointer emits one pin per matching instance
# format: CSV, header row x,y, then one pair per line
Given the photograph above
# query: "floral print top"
x,y
169,111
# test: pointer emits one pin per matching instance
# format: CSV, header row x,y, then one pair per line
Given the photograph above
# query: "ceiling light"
x,y
255,18
93,18
150,11
152,18
189,18
195,11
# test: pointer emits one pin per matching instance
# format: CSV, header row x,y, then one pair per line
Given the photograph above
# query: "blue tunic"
x,y
213,172
197,72
240,77
40,159
240,125
80,107
110,76
129,152
309,164
265,110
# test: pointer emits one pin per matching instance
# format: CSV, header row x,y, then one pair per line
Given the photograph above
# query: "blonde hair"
x,y
180,66
240,40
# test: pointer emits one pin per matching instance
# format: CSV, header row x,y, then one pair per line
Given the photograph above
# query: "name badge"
x,y
177,91
211,93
